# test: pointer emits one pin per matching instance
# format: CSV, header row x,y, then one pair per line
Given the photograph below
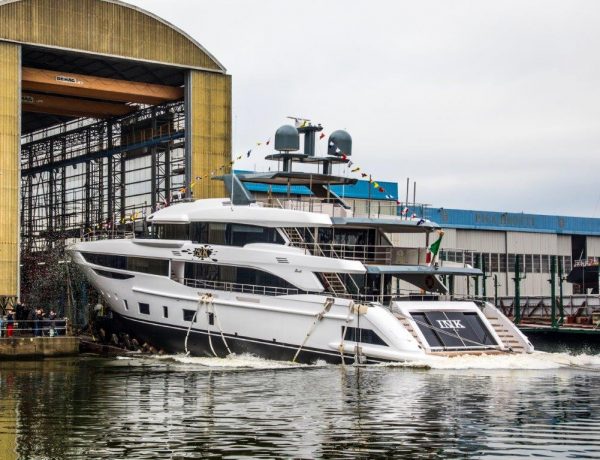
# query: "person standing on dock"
x,y
10,323
1,326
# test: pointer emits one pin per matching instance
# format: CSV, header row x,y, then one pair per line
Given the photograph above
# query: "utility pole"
x,y
561,308
552,282
517,299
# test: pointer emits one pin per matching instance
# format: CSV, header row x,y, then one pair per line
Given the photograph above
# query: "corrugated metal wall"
x,y
593,246
475,240
210,131
100,27
10,95
531,243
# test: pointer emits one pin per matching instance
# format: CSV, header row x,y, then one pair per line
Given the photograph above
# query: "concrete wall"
x,y
38,347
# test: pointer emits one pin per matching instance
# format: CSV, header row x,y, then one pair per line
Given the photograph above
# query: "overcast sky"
x,y
491,105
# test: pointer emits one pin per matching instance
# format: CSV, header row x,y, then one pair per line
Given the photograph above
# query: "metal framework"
x,y
85,175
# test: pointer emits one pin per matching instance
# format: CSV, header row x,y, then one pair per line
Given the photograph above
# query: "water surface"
x,y
176,407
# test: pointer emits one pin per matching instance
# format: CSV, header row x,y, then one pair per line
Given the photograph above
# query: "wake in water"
x,y
533,361
538,360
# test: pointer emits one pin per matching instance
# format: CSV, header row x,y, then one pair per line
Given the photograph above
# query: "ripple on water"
x,y
177,406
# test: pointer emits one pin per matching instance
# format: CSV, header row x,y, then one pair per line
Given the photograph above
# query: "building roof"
x,y
361,189
512,221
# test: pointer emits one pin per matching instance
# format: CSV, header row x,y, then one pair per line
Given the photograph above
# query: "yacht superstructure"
x,y
288,279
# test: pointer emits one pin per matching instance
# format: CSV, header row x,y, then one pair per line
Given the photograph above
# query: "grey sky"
x,y
488,105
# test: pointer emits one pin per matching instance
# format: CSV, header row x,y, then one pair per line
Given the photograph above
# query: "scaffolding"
x,y
86,175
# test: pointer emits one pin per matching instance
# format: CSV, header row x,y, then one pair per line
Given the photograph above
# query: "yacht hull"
x,y
171,339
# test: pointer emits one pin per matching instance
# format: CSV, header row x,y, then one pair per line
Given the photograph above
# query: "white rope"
x,y
341,347
328,304
220,328
201,300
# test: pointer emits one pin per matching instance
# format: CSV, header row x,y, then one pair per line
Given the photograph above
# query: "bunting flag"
x,y
375,185
421,221
321,136
248,153
433,250
356,169
363,174
268,142
344,157
404,211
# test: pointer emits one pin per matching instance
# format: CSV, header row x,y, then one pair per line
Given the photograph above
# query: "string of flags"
x,y
357,169
250,152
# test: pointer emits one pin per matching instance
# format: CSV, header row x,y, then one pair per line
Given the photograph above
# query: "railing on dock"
x,y
33,328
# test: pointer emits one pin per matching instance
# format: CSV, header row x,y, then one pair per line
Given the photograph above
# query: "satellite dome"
x,y
340,143
287,139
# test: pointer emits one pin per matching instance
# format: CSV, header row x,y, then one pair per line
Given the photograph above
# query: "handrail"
x,y
44,327
108,234
240,287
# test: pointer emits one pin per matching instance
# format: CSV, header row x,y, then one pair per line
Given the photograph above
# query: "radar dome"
x,y
340,143
287,139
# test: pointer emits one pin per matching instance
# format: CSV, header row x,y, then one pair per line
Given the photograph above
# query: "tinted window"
x,y
231,274
453,329
232,234
165,312
188,315
144,308
173,231
360,335
117,276
136,264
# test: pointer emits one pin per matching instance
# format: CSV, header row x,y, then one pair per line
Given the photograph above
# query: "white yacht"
x,y
288,279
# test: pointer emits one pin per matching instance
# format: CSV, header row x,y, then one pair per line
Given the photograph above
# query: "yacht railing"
x,y
369,254
107,234
308,204
239,287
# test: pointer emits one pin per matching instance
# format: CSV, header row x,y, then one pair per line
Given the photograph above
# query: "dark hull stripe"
x,y
171,338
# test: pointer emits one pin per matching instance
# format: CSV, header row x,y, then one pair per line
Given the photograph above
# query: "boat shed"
x,y
104,110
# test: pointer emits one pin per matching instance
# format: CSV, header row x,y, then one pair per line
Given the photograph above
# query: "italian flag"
x,y
433,250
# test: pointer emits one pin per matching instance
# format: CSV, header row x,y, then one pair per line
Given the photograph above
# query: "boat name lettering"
x,y
450,324
203,252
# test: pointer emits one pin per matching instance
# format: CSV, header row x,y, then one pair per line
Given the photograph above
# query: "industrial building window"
x,y
537,263
188,315
528,263
144,308
360,335
510,262
494,262
502,263
165,312
545,264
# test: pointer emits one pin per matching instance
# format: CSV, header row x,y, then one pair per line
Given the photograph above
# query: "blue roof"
x,y
512,221
359,190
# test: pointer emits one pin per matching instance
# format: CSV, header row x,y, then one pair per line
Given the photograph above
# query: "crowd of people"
x,y
29,321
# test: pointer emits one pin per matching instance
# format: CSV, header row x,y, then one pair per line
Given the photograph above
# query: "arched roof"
x,y
102,27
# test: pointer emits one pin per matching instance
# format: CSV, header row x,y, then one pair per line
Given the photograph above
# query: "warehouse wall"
x,y
10,116
209,131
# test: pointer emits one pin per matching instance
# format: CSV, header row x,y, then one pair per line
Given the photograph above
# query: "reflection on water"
x,y
193,407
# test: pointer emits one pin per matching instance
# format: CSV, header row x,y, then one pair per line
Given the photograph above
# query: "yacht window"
x,y
360,335
173,231
125,304
113,275
134,264
188,315
144,308
232,274
217,233
232,234
246,234
165,311
146,265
